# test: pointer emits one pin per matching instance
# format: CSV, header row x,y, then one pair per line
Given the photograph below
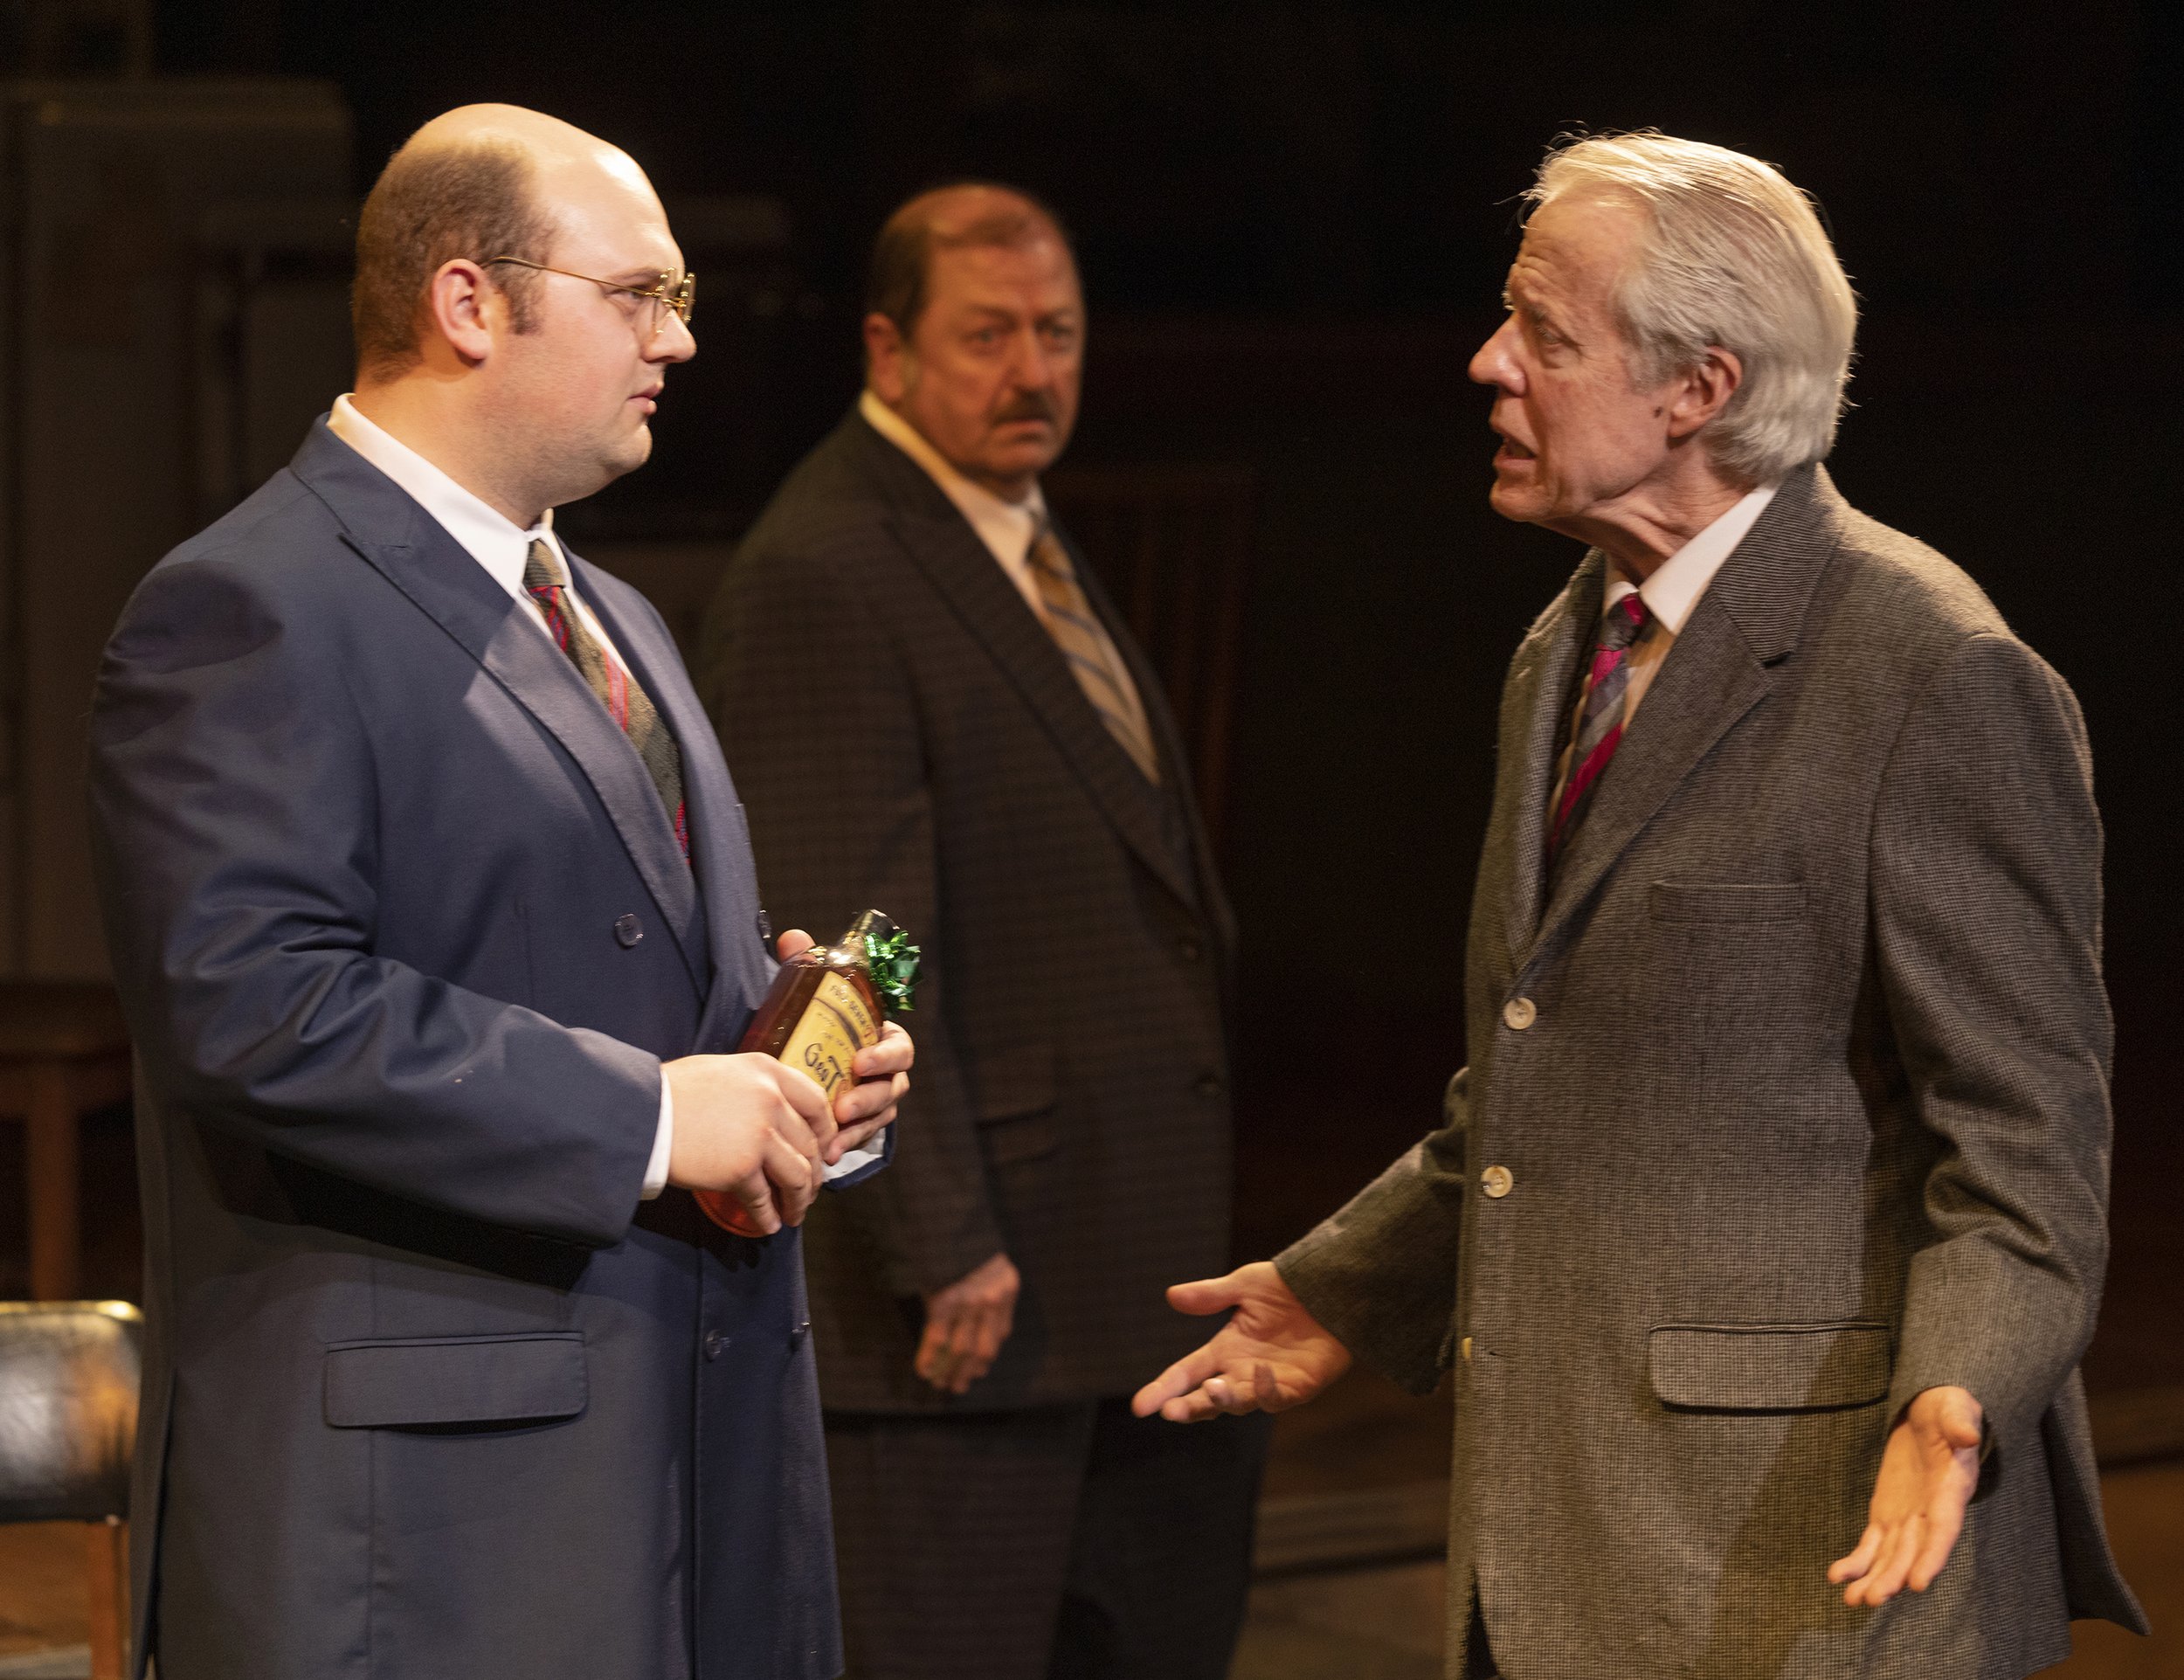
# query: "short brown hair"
x,y
902,255
432,204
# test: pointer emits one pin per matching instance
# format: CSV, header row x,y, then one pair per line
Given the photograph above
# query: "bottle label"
x,y
836,1025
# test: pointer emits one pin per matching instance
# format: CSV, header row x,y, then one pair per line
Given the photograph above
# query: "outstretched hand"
x,y
1928,1472
1270,1356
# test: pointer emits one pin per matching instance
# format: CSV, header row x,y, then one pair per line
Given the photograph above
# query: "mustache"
x,y
1032,405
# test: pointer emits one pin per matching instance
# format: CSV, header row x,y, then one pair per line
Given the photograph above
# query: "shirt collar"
x,y
1677,582
1007,528
495,541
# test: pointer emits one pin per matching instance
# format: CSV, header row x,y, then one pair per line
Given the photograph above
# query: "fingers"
x,y
1942,1528
1207,1295
754,1195
1860,1559
959,1346
802,1093
893,1055
791,943
851,1139
793,1174
1179,1379
868,1098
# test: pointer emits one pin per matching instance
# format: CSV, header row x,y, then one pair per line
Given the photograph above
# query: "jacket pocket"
x,y
1726,901
423,1381
1769,1367
1016,1104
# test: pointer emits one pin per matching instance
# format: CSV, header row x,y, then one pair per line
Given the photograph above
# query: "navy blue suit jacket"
x,y
428,1390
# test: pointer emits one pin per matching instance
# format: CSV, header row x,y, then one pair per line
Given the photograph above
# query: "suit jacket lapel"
x,y
1749,618
961,567
1539,691
419,558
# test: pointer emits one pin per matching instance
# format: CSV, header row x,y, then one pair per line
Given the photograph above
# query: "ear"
x,y
887,359
464,309
1698,395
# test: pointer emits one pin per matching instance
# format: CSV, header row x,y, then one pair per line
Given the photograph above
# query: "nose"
x,y
1496,363
674,341
1032,366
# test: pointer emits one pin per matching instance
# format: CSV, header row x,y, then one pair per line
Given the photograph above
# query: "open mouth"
x,y
1512,450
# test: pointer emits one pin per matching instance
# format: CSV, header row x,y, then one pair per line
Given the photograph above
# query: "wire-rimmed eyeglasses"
x,y
679,294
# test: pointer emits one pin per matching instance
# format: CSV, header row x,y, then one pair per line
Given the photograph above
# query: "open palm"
x,y
1270,1356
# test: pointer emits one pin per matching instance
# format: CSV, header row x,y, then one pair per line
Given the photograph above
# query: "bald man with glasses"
x,y
433,914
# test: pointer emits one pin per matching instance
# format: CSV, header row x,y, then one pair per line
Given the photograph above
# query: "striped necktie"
x,y
626,702
1600,729
1091,654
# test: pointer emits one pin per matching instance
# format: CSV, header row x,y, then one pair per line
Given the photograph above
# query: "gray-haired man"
x,y
1768,1224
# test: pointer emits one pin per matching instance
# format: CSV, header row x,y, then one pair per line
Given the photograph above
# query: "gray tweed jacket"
x,y
905,734
1799,1078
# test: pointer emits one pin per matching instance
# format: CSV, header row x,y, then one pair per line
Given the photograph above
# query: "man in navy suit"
x,y
432,908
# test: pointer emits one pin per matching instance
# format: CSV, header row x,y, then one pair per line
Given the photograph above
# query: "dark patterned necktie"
x,y
1600,721
626,702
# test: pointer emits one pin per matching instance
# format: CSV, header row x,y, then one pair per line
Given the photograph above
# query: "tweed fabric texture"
x,y
905,734
1058,1542
1815,1070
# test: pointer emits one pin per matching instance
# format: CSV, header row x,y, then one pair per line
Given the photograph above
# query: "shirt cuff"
x,y
663,1143
858,1159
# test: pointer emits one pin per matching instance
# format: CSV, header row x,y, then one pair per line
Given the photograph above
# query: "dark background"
x,y
1293,220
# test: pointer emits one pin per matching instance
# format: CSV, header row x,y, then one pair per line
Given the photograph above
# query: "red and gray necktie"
x,y
626,702
1600,720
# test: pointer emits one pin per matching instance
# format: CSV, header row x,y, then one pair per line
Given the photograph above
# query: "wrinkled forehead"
x,y
1576,247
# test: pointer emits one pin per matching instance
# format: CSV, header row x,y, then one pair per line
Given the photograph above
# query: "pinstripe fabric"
x,y
1093,660
626,700
1810,1113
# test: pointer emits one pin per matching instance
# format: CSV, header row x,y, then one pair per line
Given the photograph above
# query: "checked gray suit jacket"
x,y
1799,1076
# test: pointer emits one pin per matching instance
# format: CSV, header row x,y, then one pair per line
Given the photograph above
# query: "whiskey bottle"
x,y
825,1004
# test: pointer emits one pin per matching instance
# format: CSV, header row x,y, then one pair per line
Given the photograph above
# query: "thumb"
x,y
1962,1417
794,941
1207,1295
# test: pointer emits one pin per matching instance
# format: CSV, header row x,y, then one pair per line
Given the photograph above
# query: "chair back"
x,y
69,1371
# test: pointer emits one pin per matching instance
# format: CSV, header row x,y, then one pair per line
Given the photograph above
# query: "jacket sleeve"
x,y
1380,1273
1986,904
234,817
822,729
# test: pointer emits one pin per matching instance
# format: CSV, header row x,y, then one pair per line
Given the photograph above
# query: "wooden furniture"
x,y
64,1051
69,1373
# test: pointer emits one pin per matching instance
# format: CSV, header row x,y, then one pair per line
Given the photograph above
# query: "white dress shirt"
x,y
1673,591
1007,528
1670,594
502,548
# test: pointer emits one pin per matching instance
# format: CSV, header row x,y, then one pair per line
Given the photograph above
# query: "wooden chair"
x,y
69,1371
64,1051
1172,544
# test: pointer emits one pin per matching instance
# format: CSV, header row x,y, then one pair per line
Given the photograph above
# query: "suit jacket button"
x,y
765,932
1209,1085
1519,1013
1497,1181
797,1335
714,1343
1188,947
1464,1348
628,930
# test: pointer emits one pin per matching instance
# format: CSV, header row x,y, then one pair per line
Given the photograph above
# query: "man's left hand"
x,y
866,1107
1928,1472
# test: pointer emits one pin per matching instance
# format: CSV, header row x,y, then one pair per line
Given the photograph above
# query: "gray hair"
x,y
1734,257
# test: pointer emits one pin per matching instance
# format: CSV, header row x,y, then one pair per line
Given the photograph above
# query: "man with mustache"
x,y
907,619
433,916
1767,1226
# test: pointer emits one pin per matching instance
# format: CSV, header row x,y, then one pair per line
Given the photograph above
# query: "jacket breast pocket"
x,y
1015,1111
455,1381
1726,904
1769,1367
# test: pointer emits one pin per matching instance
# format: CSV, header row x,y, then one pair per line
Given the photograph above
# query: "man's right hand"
x,y
1271,1356
752,1127
966,1325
